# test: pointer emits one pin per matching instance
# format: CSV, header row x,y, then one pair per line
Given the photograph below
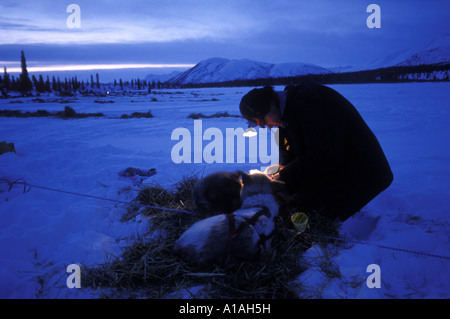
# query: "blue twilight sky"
x,y
324,32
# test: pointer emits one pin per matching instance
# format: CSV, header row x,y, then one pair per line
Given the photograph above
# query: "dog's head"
x,y
260,183
255,183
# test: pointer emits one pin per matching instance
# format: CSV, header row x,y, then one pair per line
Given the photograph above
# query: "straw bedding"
x,y
149,269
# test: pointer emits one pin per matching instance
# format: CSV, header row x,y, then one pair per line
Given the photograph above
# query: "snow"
x,y
435,51
42,232
220,70
163,77
295,69
436,55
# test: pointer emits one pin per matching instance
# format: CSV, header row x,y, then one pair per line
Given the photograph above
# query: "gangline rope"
x,y
27,188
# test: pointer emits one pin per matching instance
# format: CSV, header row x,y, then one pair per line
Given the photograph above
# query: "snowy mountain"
x,y
432,56
220,70
296,68
436,51
392,59
161,77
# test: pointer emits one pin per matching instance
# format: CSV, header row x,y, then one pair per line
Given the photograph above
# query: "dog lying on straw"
x,y
244,234
218,193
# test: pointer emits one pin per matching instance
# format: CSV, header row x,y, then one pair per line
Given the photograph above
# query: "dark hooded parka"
x,y
334,164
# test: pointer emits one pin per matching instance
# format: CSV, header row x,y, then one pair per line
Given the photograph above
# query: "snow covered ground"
x,y
42,232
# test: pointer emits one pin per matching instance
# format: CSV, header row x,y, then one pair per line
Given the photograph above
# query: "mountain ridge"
x,y
435,51
217,69
220,70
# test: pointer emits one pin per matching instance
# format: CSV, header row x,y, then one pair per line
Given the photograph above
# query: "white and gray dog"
x,y
243,234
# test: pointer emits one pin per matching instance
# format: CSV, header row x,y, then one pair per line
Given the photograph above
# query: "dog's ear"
x,y
246,179
240,173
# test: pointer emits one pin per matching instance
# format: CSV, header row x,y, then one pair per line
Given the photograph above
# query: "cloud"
x,y
325,32
116,22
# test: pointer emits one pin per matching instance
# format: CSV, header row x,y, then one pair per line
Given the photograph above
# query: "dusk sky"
x,y
182,32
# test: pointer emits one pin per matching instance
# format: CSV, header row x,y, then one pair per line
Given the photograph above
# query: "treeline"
x,y
26,86
13,84
432,72
70,86
138,84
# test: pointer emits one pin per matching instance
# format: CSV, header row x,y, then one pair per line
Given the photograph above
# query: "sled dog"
x,y
243,234
218,193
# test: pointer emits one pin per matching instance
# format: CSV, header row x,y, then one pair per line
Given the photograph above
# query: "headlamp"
x,y
250,131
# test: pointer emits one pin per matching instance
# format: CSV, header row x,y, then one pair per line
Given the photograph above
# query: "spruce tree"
x,y
13,85
6,82
40,87
47,85
34,81
25,82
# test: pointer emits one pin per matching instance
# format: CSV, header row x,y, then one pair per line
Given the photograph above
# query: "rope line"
x,y
27,188
354,241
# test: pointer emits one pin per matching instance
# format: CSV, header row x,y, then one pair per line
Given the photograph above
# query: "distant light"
x,y
107,92
250,132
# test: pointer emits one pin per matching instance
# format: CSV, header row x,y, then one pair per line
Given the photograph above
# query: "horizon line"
x,y
90,67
